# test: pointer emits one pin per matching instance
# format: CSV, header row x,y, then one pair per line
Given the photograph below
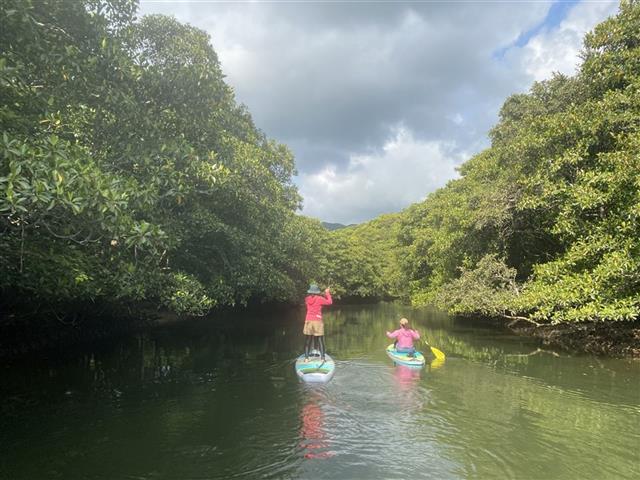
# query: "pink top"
x,y
405,337
314,306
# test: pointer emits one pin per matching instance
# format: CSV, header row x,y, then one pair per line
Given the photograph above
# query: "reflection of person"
x,y
313,326
406,377
404,337
314,439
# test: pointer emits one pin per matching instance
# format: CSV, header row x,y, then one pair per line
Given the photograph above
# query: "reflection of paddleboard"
x,y
315,370
404,359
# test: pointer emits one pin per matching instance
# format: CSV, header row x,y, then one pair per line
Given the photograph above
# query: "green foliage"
x,y
128,172
186,295
556,197
487,289
360,261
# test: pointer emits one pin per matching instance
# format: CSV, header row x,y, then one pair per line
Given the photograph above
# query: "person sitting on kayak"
x,y
313,326
404,338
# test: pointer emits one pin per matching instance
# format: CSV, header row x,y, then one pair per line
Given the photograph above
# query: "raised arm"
x,y
327,297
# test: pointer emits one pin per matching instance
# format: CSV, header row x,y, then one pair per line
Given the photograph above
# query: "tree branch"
x,y
516,318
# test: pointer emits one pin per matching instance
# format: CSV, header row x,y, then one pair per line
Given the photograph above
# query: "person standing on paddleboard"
x,y
404,338
313,326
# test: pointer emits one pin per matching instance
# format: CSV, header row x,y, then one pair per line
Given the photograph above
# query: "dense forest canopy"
x,y
545,222
129,172
130,175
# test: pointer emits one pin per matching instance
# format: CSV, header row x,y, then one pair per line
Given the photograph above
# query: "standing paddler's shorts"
x,y
314,328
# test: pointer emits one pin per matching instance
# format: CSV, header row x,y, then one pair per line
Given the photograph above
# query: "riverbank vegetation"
x,y
544,225
130,177
129,174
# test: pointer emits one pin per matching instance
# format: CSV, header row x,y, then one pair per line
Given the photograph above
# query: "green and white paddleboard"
x,y
403,359
315,370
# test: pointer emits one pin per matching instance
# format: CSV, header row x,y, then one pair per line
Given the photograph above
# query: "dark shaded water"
x,y
219,399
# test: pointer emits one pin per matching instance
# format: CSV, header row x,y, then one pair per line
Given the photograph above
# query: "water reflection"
x,y
406,377
219,398
314,441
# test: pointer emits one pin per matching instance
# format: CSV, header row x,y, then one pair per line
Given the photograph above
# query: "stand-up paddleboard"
x,y
403,359
315,370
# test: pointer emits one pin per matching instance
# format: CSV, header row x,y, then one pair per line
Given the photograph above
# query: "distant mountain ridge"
x,y
336,226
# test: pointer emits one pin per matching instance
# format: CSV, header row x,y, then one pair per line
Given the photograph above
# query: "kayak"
x,y
404,359
315,370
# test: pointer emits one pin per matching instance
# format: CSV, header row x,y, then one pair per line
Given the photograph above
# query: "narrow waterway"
x,y
218,398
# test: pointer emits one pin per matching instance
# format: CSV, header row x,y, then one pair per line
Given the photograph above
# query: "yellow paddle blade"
x,y
438,353
437,363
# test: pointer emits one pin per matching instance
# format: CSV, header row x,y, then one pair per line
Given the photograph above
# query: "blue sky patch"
x,y
557,12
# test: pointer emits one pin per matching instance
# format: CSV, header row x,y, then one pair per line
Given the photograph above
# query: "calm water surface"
x,y
219,399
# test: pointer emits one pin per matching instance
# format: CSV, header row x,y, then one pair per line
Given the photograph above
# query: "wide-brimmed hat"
x,y
404,321
313,288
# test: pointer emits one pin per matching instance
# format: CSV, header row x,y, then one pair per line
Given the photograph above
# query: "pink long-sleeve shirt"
x,y
314,306
405,337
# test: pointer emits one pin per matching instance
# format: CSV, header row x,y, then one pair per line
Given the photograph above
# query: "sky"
x,y
381,100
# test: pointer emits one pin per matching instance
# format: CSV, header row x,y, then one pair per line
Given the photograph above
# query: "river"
x,y
218,398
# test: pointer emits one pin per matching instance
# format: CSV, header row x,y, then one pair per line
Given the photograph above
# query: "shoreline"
x,y
610,339
606,339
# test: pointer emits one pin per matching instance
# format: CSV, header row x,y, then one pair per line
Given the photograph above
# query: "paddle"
x,y
437,353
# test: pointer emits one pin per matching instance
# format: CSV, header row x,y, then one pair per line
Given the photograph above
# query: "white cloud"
x,y
334,76
403,172
329,79
558,50
456,118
